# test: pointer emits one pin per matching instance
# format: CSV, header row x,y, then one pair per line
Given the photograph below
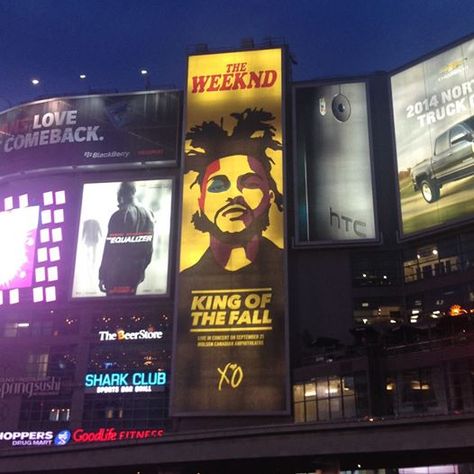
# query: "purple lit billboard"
x,y
32,242
116,129
17,247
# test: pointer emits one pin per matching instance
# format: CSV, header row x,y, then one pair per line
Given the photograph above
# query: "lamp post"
x,y
146,77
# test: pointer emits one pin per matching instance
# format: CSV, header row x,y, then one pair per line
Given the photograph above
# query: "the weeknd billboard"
x,y
230,351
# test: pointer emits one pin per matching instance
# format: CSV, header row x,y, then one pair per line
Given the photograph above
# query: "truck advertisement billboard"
x,y
91,130
123,239
433,109
334,169
230,338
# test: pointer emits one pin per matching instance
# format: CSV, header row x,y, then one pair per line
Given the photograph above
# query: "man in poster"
x,y
129,245
231,305
236,192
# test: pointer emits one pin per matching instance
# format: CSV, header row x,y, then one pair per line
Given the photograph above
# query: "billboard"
x,y
123,239
18,246
32,218
433,111
334,171
92,130
230,334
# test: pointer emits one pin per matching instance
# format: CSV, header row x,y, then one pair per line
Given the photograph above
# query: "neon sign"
x,y
125,382
122,335
27,438
110,434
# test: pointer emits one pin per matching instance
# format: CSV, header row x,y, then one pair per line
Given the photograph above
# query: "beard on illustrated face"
x,y
235,200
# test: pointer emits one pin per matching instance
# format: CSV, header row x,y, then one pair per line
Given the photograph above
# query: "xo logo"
x,y
232,374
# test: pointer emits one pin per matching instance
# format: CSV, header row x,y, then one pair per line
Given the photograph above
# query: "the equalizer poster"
x,y
231,347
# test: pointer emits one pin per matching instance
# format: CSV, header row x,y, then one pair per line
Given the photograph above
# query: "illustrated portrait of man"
x,y
236,191
235,205
129,244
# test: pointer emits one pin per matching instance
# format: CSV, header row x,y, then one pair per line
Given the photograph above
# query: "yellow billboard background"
x,y
216,106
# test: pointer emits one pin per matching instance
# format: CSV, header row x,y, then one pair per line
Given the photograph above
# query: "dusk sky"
x,y
111,40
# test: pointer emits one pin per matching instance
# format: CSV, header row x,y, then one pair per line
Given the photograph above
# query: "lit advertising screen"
x,y
17,247
123,239
32,220
334,170
230,338
92,130
433,110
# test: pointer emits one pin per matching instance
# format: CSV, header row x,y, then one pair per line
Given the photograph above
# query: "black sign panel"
x,y
92,130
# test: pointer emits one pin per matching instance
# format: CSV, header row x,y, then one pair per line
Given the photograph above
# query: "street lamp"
x,y
146,77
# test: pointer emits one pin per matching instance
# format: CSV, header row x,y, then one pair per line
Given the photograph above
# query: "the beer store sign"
x,y
121,335
29,386
125,382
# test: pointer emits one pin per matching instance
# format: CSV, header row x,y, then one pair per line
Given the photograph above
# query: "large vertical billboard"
x,y
230,335
433,109
335,199
123,239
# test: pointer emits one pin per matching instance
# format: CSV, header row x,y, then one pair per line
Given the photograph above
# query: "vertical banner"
x,y
230,350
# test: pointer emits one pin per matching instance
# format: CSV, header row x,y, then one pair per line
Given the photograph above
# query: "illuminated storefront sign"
x,y
81,436
121,335
230,347
27,438
124,382
29,386
110,434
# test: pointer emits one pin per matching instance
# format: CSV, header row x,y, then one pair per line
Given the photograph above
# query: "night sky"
x,y
111,40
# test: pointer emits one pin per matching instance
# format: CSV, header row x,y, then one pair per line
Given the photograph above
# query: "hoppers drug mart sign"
x,y
230,351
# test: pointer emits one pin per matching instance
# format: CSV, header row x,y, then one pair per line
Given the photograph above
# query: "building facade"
x,y
378,270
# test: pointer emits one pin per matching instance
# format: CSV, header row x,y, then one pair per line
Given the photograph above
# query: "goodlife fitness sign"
x,y
48,438
104,435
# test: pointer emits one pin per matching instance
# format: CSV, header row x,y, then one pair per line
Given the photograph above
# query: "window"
x,y
417,391
432,260
377,311
44,412
325,398
456,134
59,414
131,411
37,364
376,269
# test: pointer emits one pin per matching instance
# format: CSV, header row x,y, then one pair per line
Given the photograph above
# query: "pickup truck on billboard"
x,y
453,159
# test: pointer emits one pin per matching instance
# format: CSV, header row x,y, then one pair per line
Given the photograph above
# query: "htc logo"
x,y
348,224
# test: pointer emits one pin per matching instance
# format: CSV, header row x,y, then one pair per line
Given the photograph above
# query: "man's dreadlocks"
x,y
251,136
